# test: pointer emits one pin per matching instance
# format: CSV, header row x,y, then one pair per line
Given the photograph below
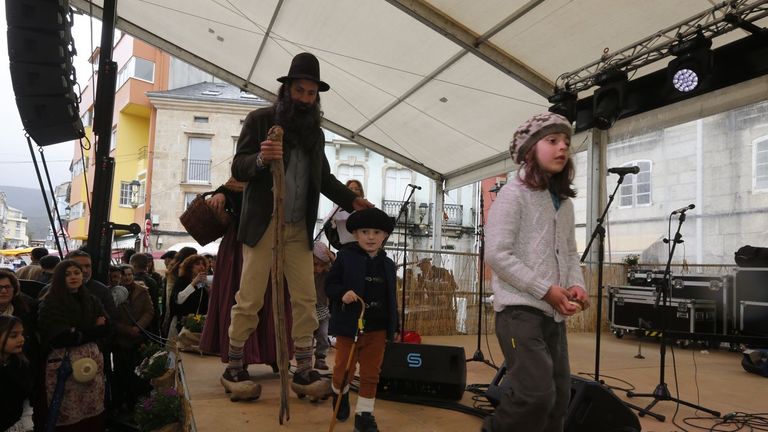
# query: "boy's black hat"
x,y
168,254
370,218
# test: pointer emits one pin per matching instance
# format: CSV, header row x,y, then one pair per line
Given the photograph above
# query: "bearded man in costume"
x,y
307,175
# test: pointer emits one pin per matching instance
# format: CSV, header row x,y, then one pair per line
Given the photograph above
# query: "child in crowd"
x,y
537,282
323,258
362,276
15,375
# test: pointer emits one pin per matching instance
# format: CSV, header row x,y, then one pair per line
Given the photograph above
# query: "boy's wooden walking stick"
x,y
360,330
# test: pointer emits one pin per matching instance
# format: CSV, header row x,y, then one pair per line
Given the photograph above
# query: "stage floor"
x,y
713,379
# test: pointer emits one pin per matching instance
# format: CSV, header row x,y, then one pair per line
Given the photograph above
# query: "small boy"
x,y
322,260
362,271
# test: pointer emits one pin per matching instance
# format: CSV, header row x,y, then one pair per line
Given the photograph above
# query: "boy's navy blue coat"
x,y
348,272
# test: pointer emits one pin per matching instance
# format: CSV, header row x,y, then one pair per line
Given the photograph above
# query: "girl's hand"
x,y
578,294
558,297
349,297
200,278
100,321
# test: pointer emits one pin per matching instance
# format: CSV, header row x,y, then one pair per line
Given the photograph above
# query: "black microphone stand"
x,y
599,232
478,355
661,392
404,212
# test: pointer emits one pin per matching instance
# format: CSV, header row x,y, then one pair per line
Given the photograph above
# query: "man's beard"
x,y
297,117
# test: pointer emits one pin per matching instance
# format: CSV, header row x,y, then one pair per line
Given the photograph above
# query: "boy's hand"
x,y
100,321
349,297
558,298
271,150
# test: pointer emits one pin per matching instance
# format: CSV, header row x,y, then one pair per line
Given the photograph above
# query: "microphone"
x,y
415,186
684,209
624,170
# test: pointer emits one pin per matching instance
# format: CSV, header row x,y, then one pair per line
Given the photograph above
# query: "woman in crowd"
x,y
71,322
339,216
190,292
171,274
133,318
260,348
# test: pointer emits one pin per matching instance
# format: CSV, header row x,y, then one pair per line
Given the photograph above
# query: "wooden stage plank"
x,y
722,385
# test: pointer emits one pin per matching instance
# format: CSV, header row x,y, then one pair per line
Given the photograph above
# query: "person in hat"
x,y
537,282
362,272
322,258
307,175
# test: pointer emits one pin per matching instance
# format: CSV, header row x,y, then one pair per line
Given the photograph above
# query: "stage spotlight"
x,y
693,66
563,103
608,100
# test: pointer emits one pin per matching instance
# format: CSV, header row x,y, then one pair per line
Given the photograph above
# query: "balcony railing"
x,y
196,171
455,213
392,208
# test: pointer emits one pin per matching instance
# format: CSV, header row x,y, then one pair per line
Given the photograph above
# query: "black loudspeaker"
x,y
594,408
40,48
423,371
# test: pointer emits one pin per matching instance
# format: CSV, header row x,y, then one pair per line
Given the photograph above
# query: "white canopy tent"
x,y
437,86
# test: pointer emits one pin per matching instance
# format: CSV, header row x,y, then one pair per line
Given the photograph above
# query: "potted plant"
x,y
190,334
156,370
632,260
160,411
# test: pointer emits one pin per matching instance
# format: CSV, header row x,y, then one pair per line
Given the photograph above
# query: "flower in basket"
x,y
160,408
194,322
148,349
153,366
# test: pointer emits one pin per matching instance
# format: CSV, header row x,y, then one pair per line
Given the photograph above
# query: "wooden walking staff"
x,y
360,330
278,256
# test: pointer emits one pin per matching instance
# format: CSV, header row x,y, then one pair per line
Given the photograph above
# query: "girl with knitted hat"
x,y
537,282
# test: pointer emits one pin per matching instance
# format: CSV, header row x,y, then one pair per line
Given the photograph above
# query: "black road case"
x,y
633,308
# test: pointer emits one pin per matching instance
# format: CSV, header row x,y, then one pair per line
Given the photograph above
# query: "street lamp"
x,y
135,188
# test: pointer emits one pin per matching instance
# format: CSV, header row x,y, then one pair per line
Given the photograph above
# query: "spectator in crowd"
x,y
133,317
32,270
140,263
71,322
190,292
48,263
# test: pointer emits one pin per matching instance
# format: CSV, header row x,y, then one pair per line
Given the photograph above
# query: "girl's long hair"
x,y
59,278
7,323
561,184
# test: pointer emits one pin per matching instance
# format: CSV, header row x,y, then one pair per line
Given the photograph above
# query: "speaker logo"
x,y
414,360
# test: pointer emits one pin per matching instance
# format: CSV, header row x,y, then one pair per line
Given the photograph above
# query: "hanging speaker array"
x,y
40,48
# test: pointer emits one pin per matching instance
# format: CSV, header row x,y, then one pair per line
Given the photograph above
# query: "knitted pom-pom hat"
x,y
534,129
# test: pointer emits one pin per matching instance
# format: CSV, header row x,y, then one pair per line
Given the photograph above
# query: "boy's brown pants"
x,y
369,352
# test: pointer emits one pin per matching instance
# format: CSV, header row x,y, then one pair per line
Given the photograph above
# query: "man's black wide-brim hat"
x,y
305,66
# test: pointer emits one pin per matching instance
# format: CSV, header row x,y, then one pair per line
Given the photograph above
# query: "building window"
x,y
201,119
113,140
635,191
78,167
198,163
760,181
188,197
125,194
76,211
348,172
87,118
138,68
395,183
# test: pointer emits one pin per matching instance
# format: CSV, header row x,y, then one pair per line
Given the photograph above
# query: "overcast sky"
x,y
16,167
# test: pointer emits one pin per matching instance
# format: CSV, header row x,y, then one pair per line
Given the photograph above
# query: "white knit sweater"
x,y
530,246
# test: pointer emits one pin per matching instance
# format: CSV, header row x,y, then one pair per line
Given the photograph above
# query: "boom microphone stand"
x,y
404,212
661,392
599,232
478,355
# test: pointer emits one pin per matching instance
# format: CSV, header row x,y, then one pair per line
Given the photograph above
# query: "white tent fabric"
x,y
437,86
